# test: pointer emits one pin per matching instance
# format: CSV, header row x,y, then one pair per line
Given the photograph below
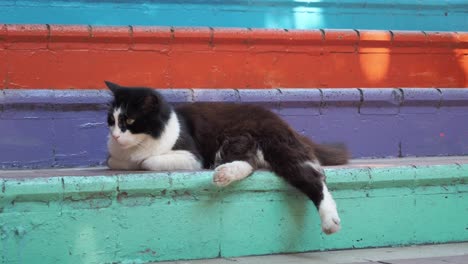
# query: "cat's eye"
x,y
130,121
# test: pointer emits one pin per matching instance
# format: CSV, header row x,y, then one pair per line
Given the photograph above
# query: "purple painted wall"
x,y
49,128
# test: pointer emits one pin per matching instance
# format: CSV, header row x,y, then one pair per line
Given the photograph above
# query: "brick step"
x,y
371,122
64,57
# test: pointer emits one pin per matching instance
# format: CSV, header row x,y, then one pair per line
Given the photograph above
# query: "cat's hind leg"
x,y
309,178
237,156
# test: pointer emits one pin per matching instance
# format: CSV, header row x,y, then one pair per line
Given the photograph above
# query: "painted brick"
x,y
332,63
439,133
341,40
245,59
177,96
268,98
146,68
340,98
198,39
69,37
91,133
374,41
111,38
462,39
409,42
339,121
309,41
151,38
375,132
453,134
273,70
30,37
64,99
216,95
381,101
18,97
231,39
276,212
438,67
3,68
3,36
213,70
18,191
26,142
74,97
299,102
454,100
420,101
268,40
76,186
441,41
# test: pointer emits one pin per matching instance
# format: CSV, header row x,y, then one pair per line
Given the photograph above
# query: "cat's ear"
x,y
112,86
150,102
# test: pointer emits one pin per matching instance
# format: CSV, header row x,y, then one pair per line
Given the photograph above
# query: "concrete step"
x,y
102,216
454,253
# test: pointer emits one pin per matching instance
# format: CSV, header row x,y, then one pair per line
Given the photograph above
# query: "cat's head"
x,y
135,114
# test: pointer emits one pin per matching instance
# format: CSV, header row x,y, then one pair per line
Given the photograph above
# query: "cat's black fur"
x,y
283,148
237,131
148,108
237,147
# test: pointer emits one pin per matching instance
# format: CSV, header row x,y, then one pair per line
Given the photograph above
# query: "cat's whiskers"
x,y
140,144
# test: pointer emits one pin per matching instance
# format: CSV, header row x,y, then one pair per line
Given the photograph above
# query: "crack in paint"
x,y
92,125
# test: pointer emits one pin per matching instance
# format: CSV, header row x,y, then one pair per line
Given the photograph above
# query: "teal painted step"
x,y
429,15
99,216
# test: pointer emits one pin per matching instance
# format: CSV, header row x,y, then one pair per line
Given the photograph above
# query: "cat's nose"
x,y
116,136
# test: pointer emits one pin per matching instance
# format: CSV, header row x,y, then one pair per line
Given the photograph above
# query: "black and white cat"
x,y
147,133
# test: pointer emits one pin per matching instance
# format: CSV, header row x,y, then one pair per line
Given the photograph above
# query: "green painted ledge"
x,y
113,217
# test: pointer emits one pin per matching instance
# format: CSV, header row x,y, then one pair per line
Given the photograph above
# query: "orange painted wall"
x,y
64,57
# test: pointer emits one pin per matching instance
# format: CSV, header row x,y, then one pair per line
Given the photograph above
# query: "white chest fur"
x,y
153,153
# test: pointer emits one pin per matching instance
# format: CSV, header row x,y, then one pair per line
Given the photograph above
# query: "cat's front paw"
x,y
224,175
115,164
229,172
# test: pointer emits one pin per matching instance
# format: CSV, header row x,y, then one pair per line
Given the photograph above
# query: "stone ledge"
x,y
95,217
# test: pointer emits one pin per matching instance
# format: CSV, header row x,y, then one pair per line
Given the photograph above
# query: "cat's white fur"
x,y
236,170
328,213
232,171
327,208
261,162
141,151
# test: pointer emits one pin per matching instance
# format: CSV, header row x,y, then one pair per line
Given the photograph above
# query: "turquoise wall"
x,y
299,14
96,218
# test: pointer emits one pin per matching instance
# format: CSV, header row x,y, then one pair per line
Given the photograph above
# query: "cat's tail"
x,y
332,154
327,154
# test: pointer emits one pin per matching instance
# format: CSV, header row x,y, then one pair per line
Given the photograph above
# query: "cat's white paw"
x,y
328,213
331,224
229,172
223,176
